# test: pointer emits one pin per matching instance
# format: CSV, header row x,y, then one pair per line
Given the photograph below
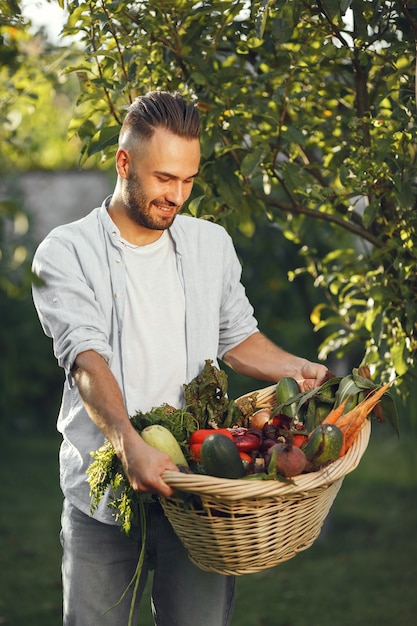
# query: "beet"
x,y
290,460
269,431
266,445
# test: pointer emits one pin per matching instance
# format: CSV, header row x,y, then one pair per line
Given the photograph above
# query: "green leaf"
x,y
389,411
106,137
193,205
344,6
397,353
251,161
362,382
261,18
370,213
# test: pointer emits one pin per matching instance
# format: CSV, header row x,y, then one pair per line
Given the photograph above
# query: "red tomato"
x,y
299,440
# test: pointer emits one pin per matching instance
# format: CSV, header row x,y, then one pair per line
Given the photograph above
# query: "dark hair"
x,y
162,109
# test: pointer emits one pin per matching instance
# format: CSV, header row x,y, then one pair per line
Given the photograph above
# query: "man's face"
x,y
160,179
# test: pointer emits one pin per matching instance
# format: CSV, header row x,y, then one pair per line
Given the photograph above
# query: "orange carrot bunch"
x,y
351,422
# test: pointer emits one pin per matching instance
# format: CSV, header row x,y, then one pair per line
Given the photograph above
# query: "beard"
x,y
139,206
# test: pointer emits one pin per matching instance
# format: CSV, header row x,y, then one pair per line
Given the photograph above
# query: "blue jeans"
x,y
99,561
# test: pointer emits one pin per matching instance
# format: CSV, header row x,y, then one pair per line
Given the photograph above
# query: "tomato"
x,y
298,440
199,435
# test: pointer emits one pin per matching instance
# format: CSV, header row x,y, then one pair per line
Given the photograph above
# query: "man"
x,y
136,298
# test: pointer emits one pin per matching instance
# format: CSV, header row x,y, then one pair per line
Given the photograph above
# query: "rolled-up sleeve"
x,y
68,308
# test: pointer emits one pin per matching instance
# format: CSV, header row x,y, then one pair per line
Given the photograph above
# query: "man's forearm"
x,y
102,397
103,401
258,357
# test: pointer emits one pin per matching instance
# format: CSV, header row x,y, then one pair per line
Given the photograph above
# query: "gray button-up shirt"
x,y
81,303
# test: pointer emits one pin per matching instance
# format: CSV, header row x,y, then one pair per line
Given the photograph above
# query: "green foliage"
x,y
30,381
106,472
15,278
36,101
309,134
308,118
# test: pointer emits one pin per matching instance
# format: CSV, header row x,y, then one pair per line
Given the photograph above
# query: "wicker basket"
x,y
242,526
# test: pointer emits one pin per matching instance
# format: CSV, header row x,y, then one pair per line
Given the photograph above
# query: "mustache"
x,y
167,203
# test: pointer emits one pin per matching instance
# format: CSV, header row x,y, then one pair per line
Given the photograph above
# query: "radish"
x,y
289,460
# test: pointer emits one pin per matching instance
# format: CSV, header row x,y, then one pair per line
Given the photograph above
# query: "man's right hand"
x,y
144,466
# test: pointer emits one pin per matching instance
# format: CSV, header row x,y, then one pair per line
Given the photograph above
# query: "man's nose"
x,y
176,193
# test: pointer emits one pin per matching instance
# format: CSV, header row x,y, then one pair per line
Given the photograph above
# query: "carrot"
x,y
368,404
352,431
333,416
351,422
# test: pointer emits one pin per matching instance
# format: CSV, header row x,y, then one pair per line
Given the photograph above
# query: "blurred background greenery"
x,y
325,276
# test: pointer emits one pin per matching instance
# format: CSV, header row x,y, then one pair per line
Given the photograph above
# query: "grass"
x,y
361,571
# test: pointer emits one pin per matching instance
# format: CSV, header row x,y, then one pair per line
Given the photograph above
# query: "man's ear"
x,y
122,162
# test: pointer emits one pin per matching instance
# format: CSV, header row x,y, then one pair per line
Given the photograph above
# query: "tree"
x,y
36,103
308,112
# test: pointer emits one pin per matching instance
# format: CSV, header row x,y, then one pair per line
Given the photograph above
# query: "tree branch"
x,y
320,215
119,50
100,71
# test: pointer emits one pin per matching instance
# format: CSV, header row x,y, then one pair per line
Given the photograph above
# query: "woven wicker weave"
x,y
244,526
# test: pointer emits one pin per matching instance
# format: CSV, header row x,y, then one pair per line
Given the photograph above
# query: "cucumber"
x,y
161,438
286,389
320,412
323,445
220,457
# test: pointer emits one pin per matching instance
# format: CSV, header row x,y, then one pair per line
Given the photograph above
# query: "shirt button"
x,y
117,260
54,300
116,295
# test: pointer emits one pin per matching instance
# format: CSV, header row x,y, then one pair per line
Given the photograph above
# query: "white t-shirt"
x,y
153,335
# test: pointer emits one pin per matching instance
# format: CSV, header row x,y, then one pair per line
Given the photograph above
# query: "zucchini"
x,y
287,388
220,457
323,445
163,440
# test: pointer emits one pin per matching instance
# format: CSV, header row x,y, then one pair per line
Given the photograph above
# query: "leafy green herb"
x,y
106,472
206,398
180,422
